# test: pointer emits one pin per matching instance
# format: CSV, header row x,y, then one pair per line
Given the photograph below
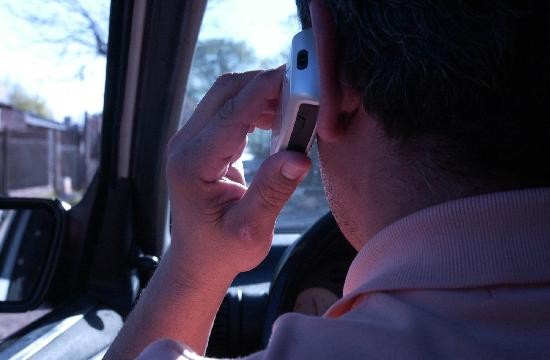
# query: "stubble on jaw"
x,y
341,214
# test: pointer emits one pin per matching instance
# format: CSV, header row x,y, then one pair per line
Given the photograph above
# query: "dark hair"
x,y
468,79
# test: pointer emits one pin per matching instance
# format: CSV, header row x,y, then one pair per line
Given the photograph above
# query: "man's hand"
x,y
221,227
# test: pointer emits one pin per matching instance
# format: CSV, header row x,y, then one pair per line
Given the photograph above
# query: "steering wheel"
x,y
322,244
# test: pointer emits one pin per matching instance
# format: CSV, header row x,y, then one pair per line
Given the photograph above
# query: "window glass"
x,y
52,78
239,35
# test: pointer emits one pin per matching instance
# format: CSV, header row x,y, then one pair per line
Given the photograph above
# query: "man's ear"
x,y
331,93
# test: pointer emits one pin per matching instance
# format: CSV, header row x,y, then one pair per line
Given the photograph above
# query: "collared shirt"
x,y
464,279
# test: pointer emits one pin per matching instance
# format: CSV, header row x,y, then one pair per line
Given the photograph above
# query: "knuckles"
x,y
228,109
225,81
179,163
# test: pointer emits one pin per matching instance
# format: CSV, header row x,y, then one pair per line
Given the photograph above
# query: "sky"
x,y
69,89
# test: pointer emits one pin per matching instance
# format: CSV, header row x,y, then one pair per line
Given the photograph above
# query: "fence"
x,y
43,158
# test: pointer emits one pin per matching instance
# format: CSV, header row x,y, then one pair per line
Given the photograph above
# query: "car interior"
x,y
80,268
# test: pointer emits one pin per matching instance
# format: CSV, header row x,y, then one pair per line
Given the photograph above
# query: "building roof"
x,y
33,120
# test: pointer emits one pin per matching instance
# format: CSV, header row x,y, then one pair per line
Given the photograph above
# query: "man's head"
x,y
454,96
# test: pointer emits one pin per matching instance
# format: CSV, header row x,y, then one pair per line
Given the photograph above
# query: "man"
x,y
433,136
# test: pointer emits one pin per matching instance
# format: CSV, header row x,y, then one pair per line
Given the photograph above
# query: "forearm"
x,y
221,226
171,307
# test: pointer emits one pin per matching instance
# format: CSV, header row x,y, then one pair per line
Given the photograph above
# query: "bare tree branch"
x,y
93,27
75,24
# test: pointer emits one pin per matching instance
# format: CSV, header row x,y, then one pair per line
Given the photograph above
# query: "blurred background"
x,y
52,78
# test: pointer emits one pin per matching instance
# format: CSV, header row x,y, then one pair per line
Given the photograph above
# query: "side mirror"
x,y
31,232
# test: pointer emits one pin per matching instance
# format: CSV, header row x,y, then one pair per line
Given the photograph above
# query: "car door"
x,y
112,234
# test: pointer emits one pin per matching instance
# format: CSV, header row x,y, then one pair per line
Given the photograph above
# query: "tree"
x,y
84,26
214,57
74,25
21,100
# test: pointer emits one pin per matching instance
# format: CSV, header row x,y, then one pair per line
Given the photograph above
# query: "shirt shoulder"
x,y
353,336
451,324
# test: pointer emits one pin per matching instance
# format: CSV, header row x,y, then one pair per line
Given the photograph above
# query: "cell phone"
x,y
296,121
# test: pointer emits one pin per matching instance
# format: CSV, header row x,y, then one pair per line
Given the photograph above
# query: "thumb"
x,y
271,188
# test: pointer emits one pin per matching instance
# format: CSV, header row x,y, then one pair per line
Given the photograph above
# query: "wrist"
x,y
188,298
185,274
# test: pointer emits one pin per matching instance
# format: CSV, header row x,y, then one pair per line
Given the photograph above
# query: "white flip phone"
x,y
295,125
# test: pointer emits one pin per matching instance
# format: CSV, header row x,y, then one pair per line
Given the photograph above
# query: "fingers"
x,y
235,172
271,188
225,87
223,136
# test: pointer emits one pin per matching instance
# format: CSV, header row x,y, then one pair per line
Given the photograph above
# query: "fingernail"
x,y
292,171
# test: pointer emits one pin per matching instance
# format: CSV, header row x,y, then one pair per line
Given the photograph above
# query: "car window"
x,y
239,35
52,78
